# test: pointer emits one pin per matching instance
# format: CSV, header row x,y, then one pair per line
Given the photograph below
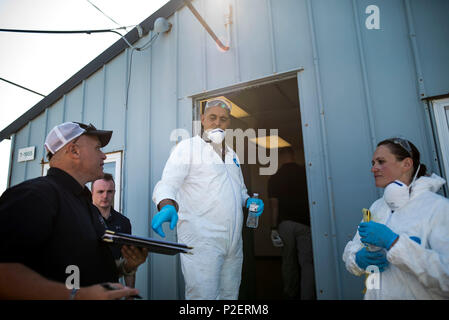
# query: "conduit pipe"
x,y
209,30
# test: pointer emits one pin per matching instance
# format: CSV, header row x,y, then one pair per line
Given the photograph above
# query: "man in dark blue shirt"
x,y
51,230
127,258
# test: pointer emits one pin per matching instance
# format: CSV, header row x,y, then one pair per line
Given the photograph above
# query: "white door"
x,y
441,111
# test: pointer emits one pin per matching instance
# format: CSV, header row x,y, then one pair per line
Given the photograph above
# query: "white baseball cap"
x,y
65,132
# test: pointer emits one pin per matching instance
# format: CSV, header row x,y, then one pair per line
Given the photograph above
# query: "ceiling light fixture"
x,y
270,142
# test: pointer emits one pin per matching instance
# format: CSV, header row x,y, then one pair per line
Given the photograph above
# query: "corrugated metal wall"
x,y
358,86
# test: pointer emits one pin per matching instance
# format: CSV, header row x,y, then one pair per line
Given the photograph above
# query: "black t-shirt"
x,y
289,186
49,223
117,223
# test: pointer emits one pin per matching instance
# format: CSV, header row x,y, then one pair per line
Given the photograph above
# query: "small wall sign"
x,y
26,154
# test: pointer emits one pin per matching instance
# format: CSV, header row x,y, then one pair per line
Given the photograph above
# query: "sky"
x,y
43,62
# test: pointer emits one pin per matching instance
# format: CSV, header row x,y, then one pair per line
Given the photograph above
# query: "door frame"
x,y
196,98
441,133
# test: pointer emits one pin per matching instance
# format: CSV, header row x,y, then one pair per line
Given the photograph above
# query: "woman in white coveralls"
x,y
410,226
202,183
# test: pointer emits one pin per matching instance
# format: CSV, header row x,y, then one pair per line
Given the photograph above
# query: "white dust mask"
x,y
397,193
216,135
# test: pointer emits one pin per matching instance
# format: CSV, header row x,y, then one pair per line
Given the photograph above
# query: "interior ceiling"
x,y
271,106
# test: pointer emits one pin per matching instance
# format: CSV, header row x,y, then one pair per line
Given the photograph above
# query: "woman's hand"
x,y
377,234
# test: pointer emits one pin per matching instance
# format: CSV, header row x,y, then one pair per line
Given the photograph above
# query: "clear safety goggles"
x,y
217,103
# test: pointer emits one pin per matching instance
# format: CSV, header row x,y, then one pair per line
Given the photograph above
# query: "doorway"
x,y
271,110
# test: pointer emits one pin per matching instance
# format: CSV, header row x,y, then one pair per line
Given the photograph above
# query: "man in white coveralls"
x,y
202,183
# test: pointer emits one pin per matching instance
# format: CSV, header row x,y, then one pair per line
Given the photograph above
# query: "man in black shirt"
x,y
126,258
289,202
50,229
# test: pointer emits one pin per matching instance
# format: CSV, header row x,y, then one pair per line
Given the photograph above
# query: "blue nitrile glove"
x,y
377,234
257,201
167,213
365,258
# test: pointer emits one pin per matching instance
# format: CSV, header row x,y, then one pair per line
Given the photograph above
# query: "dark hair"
x,y
402,148
107,177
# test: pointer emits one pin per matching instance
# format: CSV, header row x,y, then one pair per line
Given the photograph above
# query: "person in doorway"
x,y
50,247
127,258
202,183
409,228
287,192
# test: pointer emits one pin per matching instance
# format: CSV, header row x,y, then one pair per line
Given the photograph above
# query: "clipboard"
x,y
153,245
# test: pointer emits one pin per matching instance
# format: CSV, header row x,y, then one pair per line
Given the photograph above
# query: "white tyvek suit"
x,y
416,271
210,195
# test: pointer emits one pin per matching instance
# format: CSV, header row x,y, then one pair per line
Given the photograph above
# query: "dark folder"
x,y
153,245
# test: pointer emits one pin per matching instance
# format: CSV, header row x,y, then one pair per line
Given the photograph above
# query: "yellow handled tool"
x,y
366,218
366,215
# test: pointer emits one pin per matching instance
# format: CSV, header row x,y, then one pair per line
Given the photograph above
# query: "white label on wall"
x,y
26,154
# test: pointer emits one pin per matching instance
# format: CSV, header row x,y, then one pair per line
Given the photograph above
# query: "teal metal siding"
x,y
432,34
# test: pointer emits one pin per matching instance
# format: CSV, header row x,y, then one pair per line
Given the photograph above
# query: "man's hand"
x,y
98,292
17,281
167,214
276,239
134,257
259,203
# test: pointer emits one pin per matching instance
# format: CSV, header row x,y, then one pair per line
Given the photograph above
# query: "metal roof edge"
x,y
110,53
